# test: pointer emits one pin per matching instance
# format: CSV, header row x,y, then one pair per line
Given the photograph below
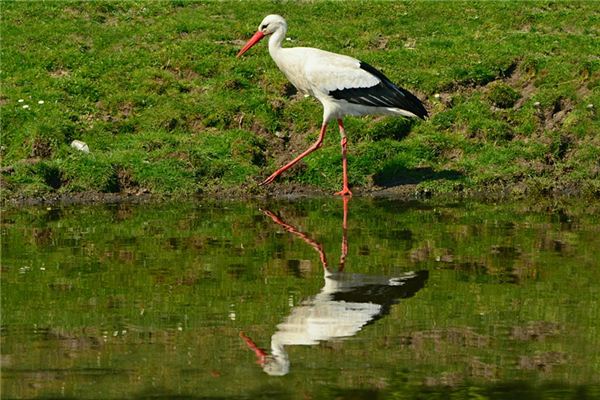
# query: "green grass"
x,y
155,90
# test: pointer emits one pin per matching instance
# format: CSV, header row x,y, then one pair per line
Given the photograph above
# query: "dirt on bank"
x,y
285,191
288,191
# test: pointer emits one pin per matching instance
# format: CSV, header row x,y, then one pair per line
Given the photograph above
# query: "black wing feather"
x,y
384,94
384,295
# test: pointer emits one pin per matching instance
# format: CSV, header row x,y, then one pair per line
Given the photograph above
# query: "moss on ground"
x,y
155,90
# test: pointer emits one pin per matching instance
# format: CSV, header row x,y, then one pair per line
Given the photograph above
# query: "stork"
x,y
343,85
344,306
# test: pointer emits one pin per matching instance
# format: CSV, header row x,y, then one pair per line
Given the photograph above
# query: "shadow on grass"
x,y
398,175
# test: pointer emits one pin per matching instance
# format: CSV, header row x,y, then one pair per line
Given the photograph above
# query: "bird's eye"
x,y
263,27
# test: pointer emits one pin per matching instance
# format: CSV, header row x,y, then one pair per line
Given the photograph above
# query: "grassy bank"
x,y
156,92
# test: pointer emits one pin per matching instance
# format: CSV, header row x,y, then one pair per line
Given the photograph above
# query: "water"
x,y
316,298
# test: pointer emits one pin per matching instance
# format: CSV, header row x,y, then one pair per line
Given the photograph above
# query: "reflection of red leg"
x,y
261,355
303,236
345,191
312,148
345,199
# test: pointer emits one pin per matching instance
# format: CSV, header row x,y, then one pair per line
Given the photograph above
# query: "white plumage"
x,y
344,85
346,303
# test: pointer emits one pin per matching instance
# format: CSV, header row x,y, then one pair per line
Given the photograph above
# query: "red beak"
x,y
253,40
261,355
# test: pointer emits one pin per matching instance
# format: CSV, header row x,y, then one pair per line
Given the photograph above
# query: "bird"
x,y
344,85
345,305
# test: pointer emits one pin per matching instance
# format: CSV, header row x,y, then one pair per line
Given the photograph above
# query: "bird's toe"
x,y
344,192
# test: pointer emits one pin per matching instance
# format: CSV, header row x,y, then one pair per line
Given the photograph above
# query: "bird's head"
x,y
269,25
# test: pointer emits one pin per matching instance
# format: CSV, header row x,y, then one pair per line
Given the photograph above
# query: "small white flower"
x,y
26,106
21,100
41,102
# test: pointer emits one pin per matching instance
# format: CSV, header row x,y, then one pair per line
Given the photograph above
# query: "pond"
x,y
300,299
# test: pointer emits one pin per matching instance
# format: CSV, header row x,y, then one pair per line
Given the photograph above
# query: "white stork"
x,y
344,85
346,303
343,307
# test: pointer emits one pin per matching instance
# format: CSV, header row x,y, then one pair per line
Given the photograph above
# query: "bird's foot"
x,y
344,192
268,180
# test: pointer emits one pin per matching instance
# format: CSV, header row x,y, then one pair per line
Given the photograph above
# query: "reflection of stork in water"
x,y
346,303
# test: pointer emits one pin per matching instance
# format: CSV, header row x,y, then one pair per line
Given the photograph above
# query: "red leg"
x,y
316,245
345,199
345,191
312,148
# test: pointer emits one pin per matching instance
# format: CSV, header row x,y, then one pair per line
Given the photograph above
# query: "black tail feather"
x,y
384,94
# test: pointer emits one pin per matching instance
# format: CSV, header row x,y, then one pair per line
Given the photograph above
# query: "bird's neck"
x,y
275,42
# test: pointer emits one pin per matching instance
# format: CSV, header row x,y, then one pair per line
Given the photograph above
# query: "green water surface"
x,y
150,300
